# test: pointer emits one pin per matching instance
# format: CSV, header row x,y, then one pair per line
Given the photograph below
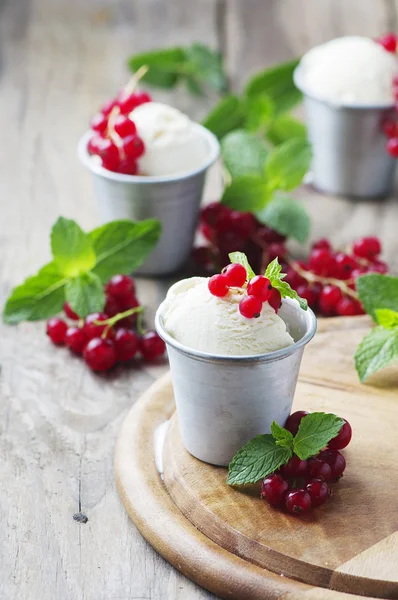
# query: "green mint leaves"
x,y
243,153
276,277
82,263
379,297
287,216
266,453
287,164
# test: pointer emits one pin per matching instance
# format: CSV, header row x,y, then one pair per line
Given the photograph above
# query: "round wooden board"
x,y
234,544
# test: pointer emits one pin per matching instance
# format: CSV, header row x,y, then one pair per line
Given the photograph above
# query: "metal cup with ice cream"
x,y
232,376
177,155
348,95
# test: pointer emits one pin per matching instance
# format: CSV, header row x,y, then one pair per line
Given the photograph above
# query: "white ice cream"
x,y
351,71
172,143
201,321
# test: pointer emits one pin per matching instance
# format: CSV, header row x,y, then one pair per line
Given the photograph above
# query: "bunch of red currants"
x,y
390,125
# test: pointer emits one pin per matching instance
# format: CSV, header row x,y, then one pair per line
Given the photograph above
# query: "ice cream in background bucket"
x,y
348,94
232,376
178,153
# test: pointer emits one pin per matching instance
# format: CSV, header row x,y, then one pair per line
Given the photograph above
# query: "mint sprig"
x,y
276,277
378,295
287,216
266,453
82,263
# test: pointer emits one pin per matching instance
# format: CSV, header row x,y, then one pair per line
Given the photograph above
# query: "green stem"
x,y
140,327
112,320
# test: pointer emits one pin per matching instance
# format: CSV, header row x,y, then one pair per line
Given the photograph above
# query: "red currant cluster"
x,y
105,338
259,290
303,484
327,280
115,138
390,126
229,231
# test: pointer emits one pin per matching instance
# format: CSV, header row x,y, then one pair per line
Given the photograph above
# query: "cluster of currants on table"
x,y
106,338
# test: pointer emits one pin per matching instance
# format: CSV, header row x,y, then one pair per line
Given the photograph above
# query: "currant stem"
x,y
140,327
134,80
312,278
112,320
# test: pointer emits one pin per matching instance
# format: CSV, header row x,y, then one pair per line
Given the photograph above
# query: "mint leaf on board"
x,y
277,83
240,258
71,247
227,115
204,66
243,153
122,246
259,113
85,293
284,128
257,459
377,291
276,277
287,164
247,193
377,350
282,436
287,216
387,318
39,297
315,432
164,66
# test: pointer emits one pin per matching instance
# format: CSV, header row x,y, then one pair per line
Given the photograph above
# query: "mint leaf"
x,y
247,193
39,297
282,436
164,66
287,216
241,259
71,247
284,128
85,293
259,113
315,432
277,83
386,317
122,246
273,272
257,459
243,153
227,115
377,350
287,164
203,65
377,291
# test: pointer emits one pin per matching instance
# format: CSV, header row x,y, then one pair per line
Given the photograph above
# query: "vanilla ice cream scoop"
x,y
350,71
199,320
173,143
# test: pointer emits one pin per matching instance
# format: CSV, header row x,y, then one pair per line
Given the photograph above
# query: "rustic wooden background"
x,y
59,59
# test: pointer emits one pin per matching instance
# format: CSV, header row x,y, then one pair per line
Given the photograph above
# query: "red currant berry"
x,y
142,98
229,241
378,266
390,128
343,438
323,244
322,262
295,467
298,501
345,265
203,256
126,344
91,330
367,247
127,102
319,492
348,307
75,339
112,307
124,126
335,460
94,144
273,489
294,420
69,312
260,287
275,300
276,250
235,275
357,273
392,147
133,146
127,166
250,307
108,106
319,468
293,278
56,330
389,42
109,153
309,293
242,223
329,298
218,286
206,231
100,354
212,212
265,235
151,346
99,123
119,286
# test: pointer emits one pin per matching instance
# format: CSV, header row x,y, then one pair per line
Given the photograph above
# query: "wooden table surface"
x,y
58,423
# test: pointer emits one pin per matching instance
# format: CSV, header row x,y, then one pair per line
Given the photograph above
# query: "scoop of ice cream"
x,y
173,145
351,70
201,321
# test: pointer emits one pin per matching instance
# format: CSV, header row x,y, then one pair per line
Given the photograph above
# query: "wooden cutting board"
x,y
235,544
